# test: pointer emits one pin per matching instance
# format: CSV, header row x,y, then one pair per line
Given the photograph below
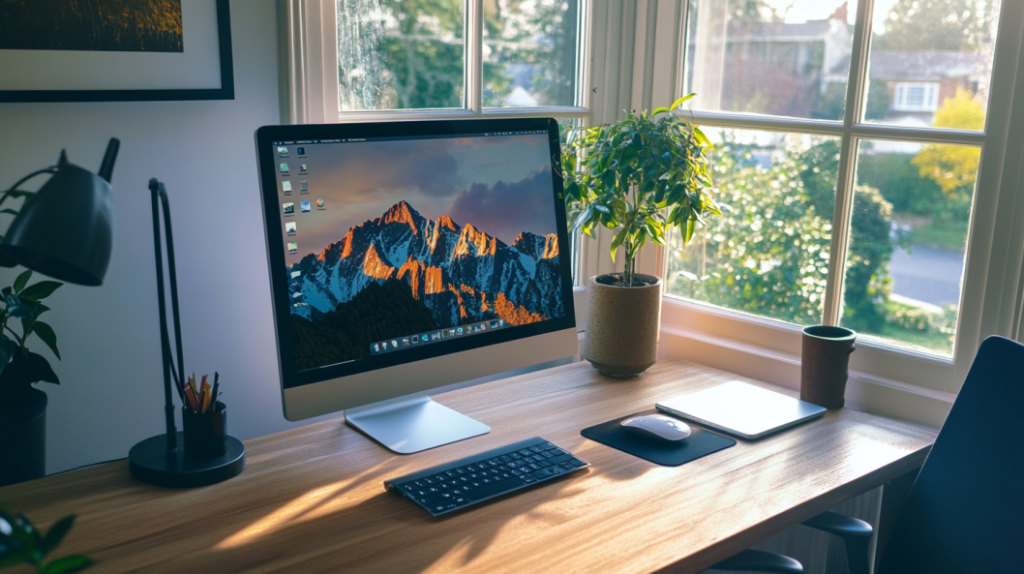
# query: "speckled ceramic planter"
x,y
622,326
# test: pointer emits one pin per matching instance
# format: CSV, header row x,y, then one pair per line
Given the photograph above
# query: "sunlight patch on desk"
x,y
313,504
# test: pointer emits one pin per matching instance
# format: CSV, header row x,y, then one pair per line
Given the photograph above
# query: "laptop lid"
x,y
741,409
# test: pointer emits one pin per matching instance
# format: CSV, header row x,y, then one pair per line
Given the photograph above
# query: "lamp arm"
x,y
51,169
159,196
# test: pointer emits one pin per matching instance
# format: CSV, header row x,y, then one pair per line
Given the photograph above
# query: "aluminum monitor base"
x,y
413,423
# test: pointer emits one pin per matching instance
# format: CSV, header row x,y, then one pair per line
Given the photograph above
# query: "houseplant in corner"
x,y
639,177
63,230
23,407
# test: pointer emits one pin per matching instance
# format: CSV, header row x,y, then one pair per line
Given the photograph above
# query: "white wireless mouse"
x,y
658,426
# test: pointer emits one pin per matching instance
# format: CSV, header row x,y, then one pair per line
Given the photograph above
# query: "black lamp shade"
x,y
65,230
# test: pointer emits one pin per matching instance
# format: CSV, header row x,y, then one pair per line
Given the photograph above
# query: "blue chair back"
x,y
965,511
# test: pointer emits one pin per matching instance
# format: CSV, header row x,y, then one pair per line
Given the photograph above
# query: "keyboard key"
x,y
495,488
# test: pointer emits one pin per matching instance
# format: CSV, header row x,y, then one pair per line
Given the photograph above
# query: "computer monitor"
x,y
405,256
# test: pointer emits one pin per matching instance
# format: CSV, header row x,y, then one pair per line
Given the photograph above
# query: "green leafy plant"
x,y
639,176
22,543
19,367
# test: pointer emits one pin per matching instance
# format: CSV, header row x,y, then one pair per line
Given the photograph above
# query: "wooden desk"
x,y
312,500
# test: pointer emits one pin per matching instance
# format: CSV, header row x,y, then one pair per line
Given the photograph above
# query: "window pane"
x,y
768,253
778,57
908,238
400,55
529,53
928,56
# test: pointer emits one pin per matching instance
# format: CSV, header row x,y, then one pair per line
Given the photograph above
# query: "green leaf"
x,y
617,241
680,101
41,290
18,306
56,534
45,332
22,280
68,564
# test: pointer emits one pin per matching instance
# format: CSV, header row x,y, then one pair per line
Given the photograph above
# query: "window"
x,y
849,140
912,97
391,59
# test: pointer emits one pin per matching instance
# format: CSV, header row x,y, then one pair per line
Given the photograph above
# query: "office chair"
x,y
965,511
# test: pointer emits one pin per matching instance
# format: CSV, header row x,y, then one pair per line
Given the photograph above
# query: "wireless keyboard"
x,y
448,487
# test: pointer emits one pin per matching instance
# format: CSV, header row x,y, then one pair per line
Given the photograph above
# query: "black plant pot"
x,y
22,436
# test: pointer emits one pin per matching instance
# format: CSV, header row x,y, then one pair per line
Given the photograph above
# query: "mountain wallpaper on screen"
x,y
402,273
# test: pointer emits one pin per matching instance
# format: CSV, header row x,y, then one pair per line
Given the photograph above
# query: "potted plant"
x,y
639,177
22,406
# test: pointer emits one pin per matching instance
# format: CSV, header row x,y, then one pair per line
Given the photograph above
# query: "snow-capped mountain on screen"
x,y
460,273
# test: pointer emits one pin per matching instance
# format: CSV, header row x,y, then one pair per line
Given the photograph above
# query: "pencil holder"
x,y
204,433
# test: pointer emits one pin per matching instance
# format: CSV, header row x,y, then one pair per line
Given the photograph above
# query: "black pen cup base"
x,y
150,462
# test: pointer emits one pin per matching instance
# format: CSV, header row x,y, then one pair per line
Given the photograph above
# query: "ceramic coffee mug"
x,y
825,359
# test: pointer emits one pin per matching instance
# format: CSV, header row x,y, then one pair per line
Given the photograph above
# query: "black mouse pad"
x,y
699,443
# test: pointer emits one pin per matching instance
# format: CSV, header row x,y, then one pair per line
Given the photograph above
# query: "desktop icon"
x,y
384,345
302,167
289,208
303,185
293,247
459,331
282,151
289,228
284,168
286,186
445,334
415,340
405,342
482,327
501,322
300,151
394,344
305,206
296,274
435,335
319,204
494,324
425,338
376,349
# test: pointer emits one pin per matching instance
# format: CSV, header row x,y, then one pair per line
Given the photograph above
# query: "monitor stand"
x,y
413,423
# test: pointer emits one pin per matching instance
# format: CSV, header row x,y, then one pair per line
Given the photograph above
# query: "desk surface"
x,y
312,499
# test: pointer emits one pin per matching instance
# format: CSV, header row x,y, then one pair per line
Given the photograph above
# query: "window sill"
x,y
905,385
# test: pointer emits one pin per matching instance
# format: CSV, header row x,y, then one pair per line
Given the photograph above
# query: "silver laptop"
x,y
741,409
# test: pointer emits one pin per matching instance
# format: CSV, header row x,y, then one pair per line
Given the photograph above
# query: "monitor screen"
x,y
391,243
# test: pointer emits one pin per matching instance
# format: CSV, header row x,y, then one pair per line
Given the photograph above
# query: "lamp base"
x,y
150,462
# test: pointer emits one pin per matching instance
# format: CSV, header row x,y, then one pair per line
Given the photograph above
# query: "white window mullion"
x,y
856,89
474,55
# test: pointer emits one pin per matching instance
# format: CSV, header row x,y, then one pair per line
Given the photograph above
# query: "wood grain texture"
x,y
312,499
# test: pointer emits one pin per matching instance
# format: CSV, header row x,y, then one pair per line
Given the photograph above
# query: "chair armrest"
x,y
758,561
841,525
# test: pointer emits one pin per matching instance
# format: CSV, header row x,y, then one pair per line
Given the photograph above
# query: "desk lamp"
x,y
159,460
65,230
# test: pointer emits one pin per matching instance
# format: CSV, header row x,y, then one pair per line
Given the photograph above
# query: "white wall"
x,y
111,393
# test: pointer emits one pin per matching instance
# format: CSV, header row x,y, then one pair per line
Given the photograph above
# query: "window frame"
x,y
319,50
898,381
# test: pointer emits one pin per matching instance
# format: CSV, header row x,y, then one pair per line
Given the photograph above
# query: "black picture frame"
x,y
226,91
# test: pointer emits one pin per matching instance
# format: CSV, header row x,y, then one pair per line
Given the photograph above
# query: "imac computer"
x,y
405,256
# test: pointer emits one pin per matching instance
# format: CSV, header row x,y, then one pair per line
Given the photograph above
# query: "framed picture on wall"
x,y
115,50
